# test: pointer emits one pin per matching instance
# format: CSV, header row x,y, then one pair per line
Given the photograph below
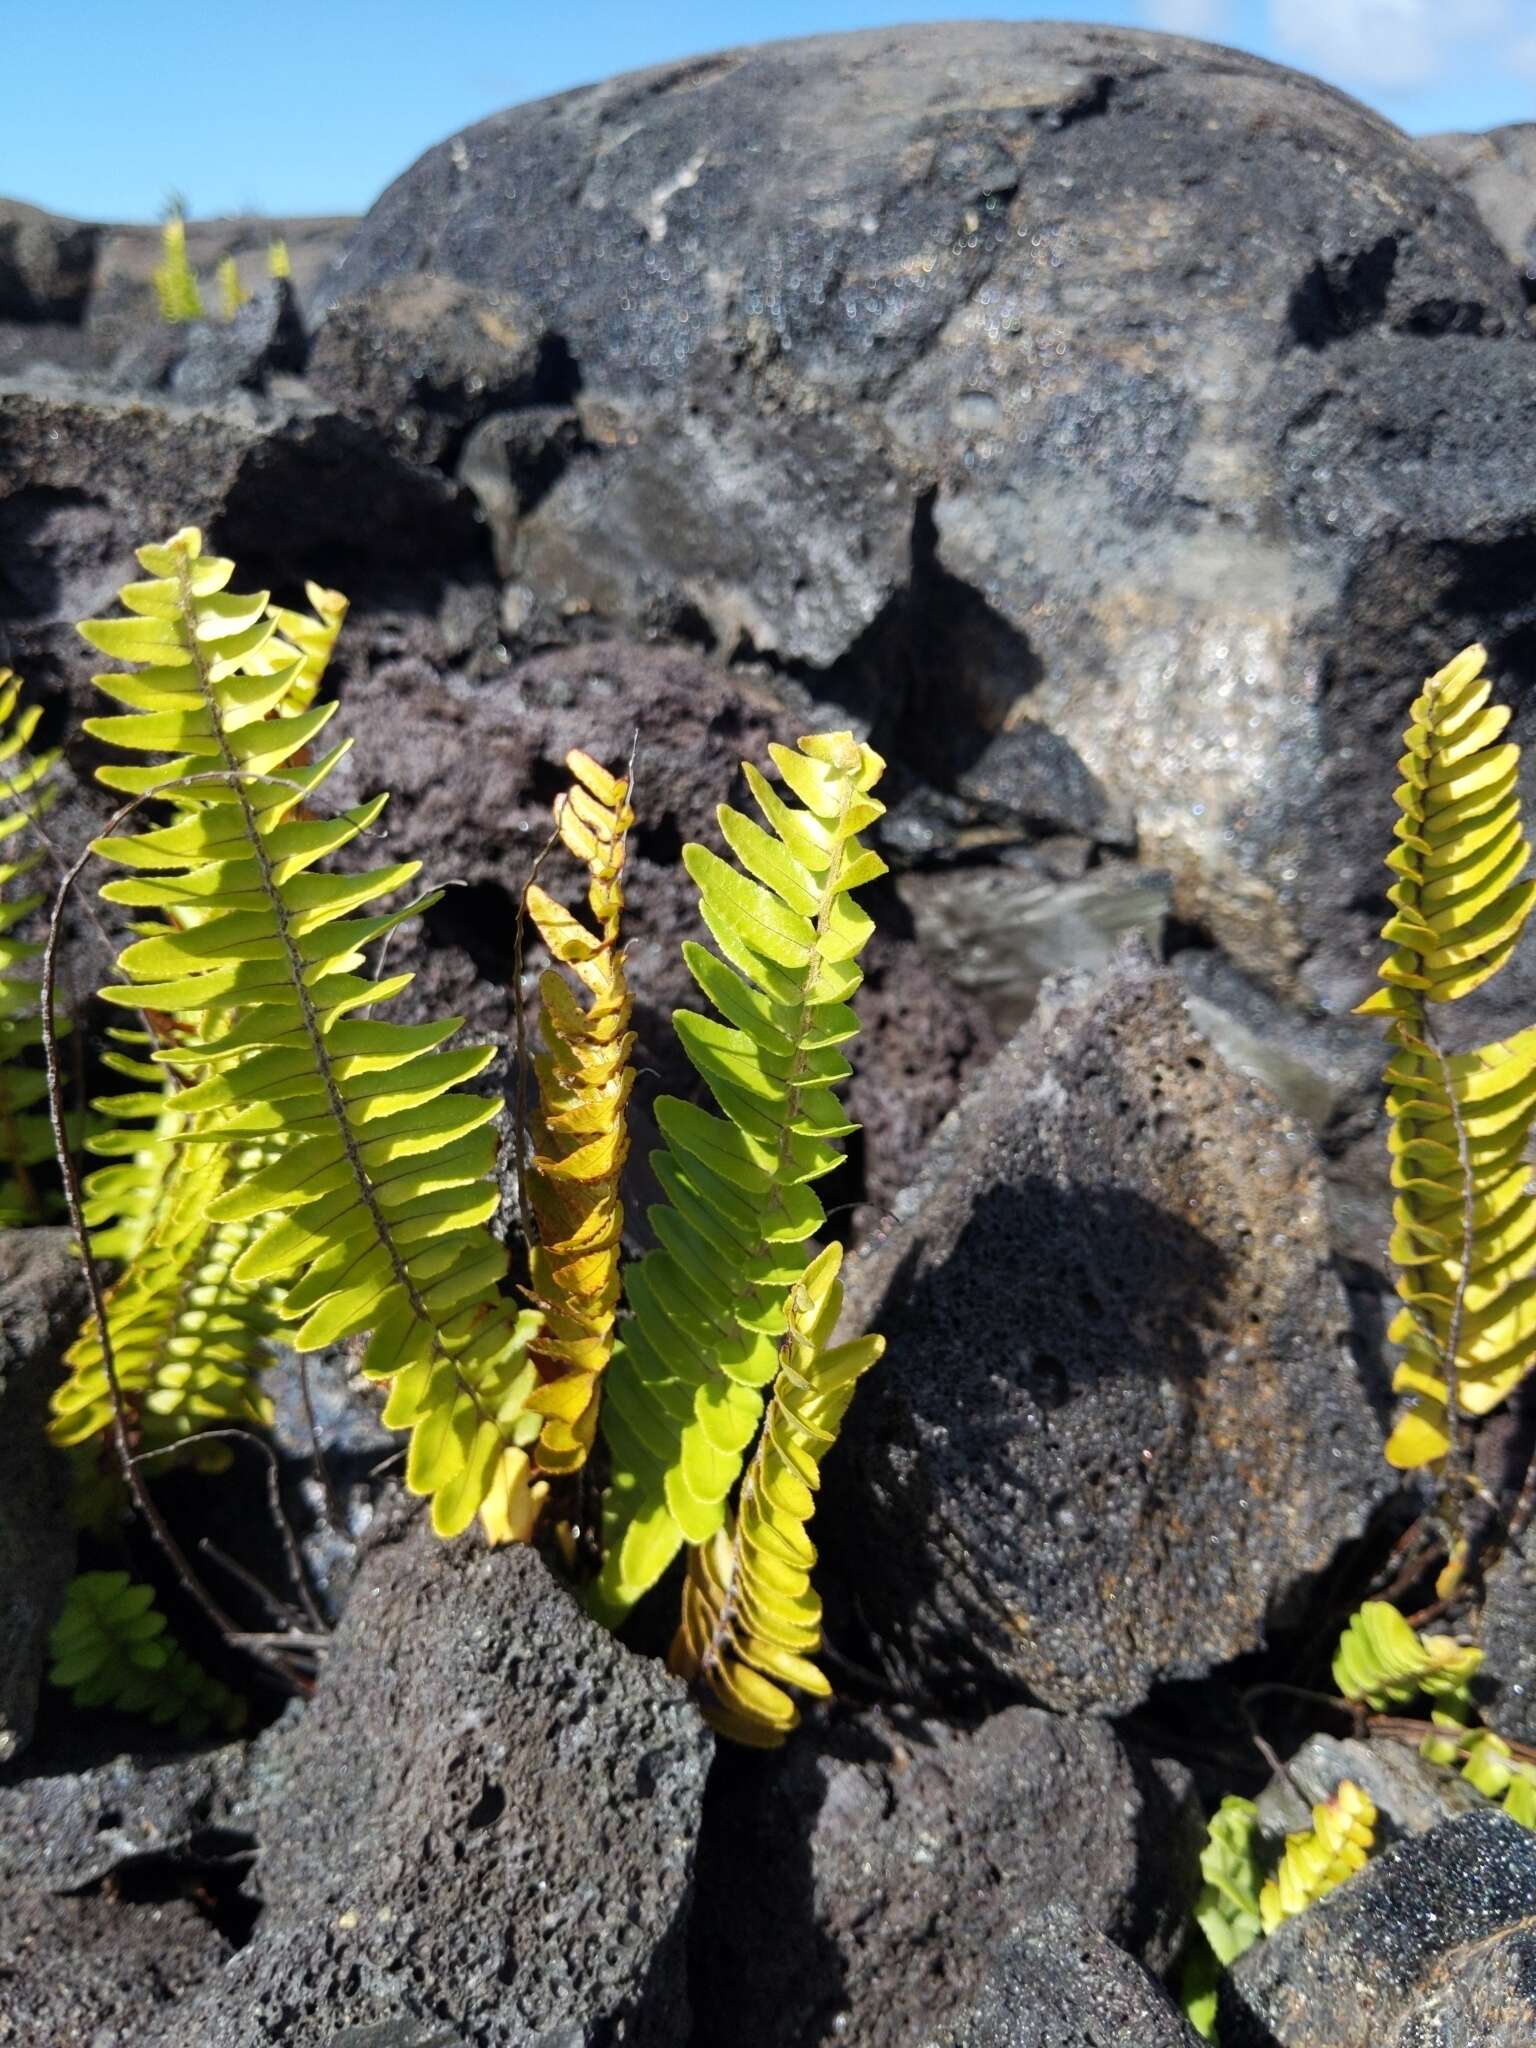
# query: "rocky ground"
x,y
1117,429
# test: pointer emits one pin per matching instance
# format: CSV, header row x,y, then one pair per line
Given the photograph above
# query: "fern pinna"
x,y
372,1208
26,791
751,1622
110,1648
685,1391
1465,1242
579,1128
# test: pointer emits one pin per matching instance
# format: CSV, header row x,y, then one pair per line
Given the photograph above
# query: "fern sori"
x,y
1465,1242
579,1127
1317,1860
751,1620
26,791
685,1391
110,1648
373,1209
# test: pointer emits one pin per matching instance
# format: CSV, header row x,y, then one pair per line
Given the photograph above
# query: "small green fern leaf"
x,y
685,1391
110,1648
1383,1661
1465,1243
751,1620
1317,1860
26,792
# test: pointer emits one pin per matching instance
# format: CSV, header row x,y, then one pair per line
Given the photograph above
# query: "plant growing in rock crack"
x,y
290,1162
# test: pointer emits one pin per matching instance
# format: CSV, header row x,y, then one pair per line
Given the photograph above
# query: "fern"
x,y
751,1622
1319,1859
110,1648
580,1135
174,280
1227,1921
26,791
1383,1662
1465,1242
232,293
1487,1762
278,263
685,1392
372,1210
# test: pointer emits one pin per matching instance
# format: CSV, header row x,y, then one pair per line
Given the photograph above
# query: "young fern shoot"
x,y
686,1388
1464,1246
579,1126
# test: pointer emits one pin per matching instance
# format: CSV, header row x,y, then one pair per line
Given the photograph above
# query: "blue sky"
x,y
313,108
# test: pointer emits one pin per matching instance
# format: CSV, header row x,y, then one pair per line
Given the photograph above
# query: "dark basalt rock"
x,y
861,1884
41,1298
1430,1946
484,1820
1497,171
1055,1983
1118,1422
47,265
94,1970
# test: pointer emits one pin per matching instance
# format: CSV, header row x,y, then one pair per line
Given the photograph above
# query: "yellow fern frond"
x,y
232,293
278,264
174,279
1384,1662
751,1620
579,1127
1465,1240
1318,1859
26,791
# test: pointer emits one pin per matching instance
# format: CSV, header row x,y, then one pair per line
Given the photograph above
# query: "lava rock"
x,y
484,1819
1497,171
1430,1946
1410,1795
265,338
972,371
1118,1423
47,264
425,360
1508,1638
92,1969
858,1885
510,461
1056,1983
41,1300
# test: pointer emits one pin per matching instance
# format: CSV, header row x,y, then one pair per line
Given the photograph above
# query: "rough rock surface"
x,y
47,264
1056,1983
992,372
41,1296
1430,1946
486,1818
1508,1637
89,1972
1410,1795
857,1886
1497,171
1118,1420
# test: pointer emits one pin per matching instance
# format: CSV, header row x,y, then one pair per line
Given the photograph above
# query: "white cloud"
x,y
1209,18
1384,45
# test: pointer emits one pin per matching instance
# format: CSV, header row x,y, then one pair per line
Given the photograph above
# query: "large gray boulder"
x,y
984,373
47,264
1118,1421
41,1297
862,1884
1497,171
485,1819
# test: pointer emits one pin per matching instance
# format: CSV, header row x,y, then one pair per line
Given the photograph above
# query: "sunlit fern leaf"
x,y
111,1648
1226,1914
175,281
312,635
1464,1247
685,1392
751,1620
27,790
1384,1662
579,1127
373,1212
1317,1860
232,293
1488,1763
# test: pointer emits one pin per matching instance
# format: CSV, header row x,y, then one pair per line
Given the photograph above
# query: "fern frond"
x,y
110,1648
373,1211
312,636
579,1126
685,1392
174,279
751,1620
1227,1909
1487,1762
1318,1859
1383,1661
1465,1242
232,293
278,263
26,792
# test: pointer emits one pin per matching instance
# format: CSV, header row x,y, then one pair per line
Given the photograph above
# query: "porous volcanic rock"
x,y
1118,1421
90,1971
1056,1983
41,1297
1001,372
485,1819
47,264
860,1884
1497,171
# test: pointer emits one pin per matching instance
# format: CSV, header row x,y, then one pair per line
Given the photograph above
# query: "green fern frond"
x,y
1465,1243
232,293
373,1212
579,1128
1487,1762
1317,1860
26,792
110,1648
312,636
174,279
751,1620
1384,1662
278,263
685,1391
1227,1909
